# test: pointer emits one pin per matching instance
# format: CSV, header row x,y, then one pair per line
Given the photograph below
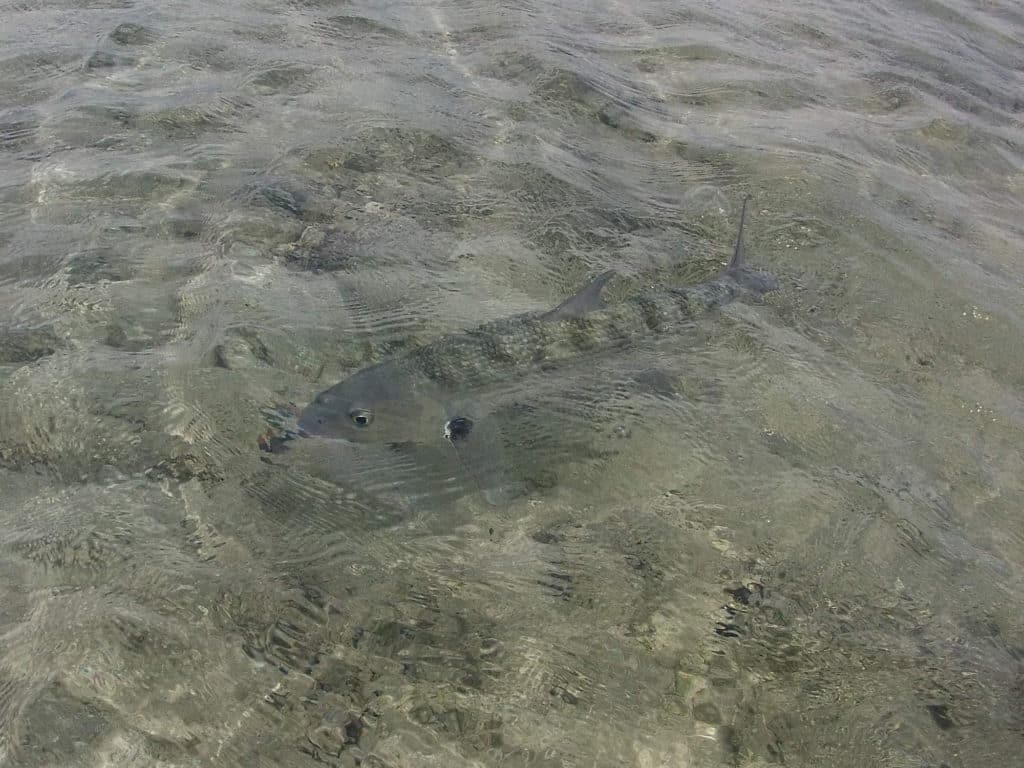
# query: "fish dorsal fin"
x,y
586,299
738,262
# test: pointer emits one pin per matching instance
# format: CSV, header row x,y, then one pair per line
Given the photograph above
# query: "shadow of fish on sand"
x,y
428,421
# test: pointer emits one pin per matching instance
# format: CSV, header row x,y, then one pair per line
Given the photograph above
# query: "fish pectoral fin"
x,y
480,450
586,299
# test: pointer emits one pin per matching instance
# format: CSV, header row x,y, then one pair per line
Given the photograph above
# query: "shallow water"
x,y
786,535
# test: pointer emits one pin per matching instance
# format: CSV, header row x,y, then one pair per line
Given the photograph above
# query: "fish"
x,y
423,396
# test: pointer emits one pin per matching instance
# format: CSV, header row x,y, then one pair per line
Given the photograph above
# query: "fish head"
x,y
380,404
446,443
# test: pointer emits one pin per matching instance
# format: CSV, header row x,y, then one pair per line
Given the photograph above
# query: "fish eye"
x,y
361,417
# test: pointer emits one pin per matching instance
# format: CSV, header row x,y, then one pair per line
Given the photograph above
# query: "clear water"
x,y
787,535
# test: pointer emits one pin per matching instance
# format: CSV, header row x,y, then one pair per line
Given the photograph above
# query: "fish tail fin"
x,y
739,271
738,262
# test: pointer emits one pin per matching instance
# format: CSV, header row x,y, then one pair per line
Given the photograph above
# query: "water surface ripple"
x,y
787,534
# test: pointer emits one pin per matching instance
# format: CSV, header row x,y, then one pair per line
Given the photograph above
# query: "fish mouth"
x,y
285,425
306,423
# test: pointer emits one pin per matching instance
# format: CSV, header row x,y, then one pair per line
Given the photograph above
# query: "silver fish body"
x,y
384,402
413,397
